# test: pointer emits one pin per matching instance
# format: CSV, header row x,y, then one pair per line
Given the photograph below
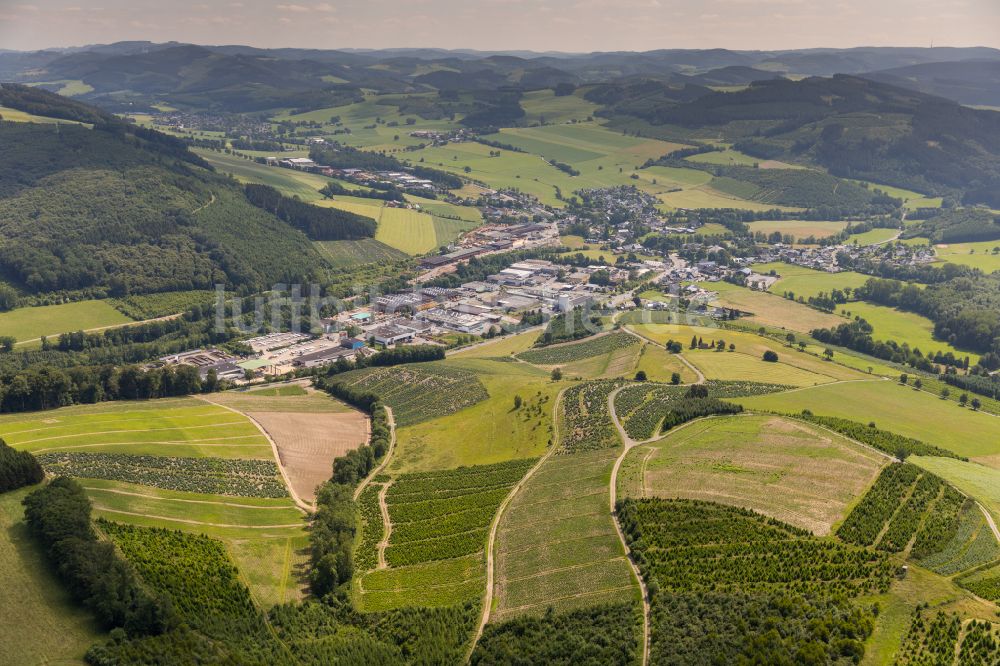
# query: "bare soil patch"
x,y
308,442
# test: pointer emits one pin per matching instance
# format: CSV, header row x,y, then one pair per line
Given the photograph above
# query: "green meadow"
x,y
894,324
807,282
896,408
29,324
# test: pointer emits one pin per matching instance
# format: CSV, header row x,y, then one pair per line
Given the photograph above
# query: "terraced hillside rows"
x,y
179,464
437,530
913,511
570,352
585,417
718,577
420,391
556,542
641,407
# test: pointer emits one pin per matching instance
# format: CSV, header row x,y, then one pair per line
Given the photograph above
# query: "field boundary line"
x,y
628,443
178,499
196,522
571,567
490,542
989,520
302,505
578,595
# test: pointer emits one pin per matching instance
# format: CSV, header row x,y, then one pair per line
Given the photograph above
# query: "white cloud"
x,y
298,9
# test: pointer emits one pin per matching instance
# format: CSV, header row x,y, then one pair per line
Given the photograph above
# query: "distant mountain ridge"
x,y
246,78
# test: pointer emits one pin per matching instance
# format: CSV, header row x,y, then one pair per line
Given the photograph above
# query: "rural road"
x,y
385,461
488,596
629,443
989,521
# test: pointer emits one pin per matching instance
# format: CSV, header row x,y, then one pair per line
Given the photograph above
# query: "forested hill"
x,y
854,127
110,207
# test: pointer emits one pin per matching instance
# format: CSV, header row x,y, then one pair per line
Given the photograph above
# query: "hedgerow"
x,y
213,476
890,442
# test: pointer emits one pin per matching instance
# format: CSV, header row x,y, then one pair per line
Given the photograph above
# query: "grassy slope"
x,y
898,409
779,467
51,320
41,624
799,229
894,324
807,282
268,557
771,309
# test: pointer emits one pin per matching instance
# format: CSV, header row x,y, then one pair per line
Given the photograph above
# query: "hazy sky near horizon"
x,y
540,25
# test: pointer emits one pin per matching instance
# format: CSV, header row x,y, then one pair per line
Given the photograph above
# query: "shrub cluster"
x,y
18,468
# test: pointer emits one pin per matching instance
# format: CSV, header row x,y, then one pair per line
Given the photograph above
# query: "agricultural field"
x,y
556,543
728,157
873,237
979,481
715,570
42,624
404,229
544,107
897,409
972,544
770,309
290,182
901,326
348,253
31,323
570,352
908,510
18,116
420,391
180,464
975,255
780,467
437,521
706,196
585,421
309,430
793,368
492,430
798,229
806,282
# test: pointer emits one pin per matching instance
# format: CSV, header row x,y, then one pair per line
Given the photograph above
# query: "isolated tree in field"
x,y
771,356
976,404
640,376
790,338
720,345
918,384
802,345
945,392
732,347
556,374
828,353
694,342
963,399
675,378
904,378
518,401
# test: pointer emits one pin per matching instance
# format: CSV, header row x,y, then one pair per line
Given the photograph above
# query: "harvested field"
x,y
780,467
308,443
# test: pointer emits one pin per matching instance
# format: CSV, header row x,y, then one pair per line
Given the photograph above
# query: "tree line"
x,y
317,223
18,468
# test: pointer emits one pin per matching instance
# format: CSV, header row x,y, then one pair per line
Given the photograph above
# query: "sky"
x,y
539,25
